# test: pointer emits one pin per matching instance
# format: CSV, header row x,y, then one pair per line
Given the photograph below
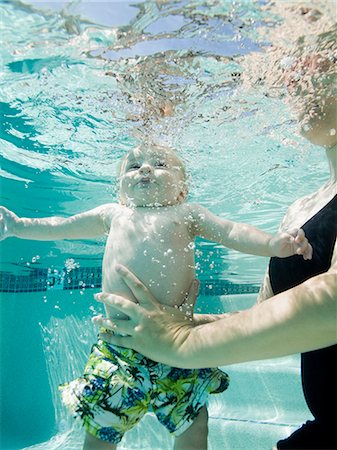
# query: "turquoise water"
x,y
264,402
81,83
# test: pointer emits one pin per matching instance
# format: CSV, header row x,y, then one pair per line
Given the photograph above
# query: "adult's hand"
x,y
298,320
153,329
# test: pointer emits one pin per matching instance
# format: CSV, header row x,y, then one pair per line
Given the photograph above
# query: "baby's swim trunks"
x,y
120,385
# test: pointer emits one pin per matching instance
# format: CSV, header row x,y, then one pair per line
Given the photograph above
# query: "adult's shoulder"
x,y
302,209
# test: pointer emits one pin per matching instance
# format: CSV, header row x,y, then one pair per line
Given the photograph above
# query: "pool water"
x,y
83,82
263,404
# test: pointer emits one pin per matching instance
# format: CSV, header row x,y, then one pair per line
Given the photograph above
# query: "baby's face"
x,y
152,177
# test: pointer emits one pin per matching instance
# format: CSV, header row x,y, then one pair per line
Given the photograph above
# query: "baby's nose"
x,y
145,169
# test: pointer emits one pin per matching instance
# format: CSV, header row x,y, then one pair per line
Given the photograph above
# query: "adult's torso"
x,y
318,367
321,230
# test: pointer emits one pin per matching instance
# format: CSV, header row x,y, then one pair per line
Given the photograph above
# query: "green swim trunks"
x,y
120,385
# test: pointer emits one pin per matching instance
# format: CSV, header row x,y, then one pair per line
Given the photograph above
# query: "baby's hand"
x,y
8,221
293,243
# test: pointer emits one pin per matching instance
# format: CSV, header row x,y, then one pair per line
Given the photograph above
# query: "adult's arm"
x,y
298,320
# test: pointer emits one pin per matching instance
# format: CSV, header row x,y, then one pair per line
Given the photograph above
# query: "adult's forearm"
x,y
298,320
201,319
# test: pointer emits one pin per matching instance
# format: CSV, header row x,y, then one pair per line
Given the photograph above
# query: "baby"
x,y
151,231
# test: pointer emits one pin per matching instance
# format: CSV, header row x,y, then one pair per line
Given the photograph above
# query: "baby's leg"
x,y
195,437
92,443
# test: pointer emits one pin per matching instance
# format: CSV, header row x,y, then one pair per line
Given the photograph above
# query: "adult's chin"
x,y
319,136
318,123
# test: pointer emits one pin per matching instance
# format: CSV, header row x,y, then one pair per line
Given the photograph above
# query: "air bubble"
x,y
70,264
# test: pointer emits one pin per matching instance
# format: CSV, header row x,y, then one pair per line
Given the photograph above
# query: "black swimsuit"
x,y
318,367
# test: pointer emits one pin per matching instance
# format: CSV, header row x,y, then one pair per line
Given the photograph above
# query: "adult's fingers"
x,y
122,304
101,321
188,306
117,325
193,292
121,341
139,290
111,338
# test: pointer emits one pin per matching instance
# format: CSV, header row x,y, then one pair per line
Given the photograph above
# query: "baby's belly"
x,y
115,285
169,289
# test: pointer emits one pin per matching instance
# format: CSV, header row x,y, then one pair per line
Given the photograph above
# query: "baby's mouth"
x,y
145,181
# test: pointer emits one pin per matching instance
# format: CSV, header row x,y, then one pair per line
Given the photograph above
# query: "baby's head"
x,y
152,176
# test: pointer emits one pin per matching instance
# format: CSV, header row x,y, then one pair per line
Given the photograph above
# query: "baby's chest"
x,y
150,233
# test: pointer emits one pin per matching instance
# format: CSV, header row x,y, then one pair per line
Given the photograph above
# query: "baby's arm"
x,y
247,239
88,224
